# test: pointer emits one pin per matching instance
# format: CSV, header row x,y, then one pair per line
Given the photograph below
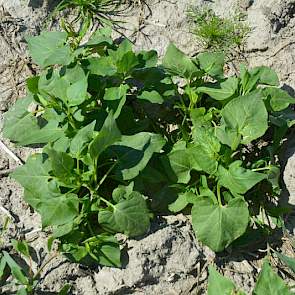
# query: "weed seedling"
x,y
18,273
217,33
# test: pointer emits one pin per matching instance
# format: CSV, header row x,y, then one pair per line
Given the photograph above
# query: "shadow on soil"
x,y
51,4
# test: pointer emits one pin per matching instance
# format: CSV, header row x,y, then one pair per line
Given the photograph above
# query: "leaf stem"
x,y
260,169
107,202
90,229
105,176
219,195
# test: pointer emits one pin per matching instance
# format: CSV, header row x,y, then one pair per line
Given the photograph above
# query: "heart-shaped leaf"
x,y
218,226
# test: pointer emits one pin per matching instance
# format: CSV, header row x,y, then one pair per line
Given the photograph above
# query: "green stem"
x,y
260,169
90,229
107,202
78,165
219,195
95,171
105,176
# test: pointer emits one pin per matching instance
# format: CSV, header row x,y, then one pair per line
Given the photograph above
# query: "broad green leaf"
x,y
221,91
52,85
258,75
244,119
127,63
68,84
180,203
81,139
116,93
18,119
32,84
49,49
106,250
108,135
270,283
205,149
218,226
203,158
245,77
21,247
115,98
200,118
251,80
238,179
124,47
59,210
205,192
36,194
151,96
61,230
76,252
178,64
182,163
102,36
212,63
206,138
122,192
279,99
62,164
42,193
129,216
102,66
218,284
288,261
135,151
34,177
77,92
60,145
15,269
266,75
150,58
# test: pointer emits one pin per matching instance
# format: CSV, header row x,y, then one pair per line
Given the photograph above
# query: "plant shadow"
x,y
50,4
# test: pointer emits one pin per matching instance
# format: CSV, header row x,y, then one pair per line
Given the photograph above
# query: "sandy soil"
x,y
168,260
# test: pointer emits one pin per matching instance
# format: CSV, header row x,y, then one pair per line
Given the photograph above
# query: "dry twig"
x,y
10,153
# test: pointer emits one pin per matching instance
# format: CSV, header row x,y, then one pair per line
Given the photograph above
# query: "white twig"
x,y
10,153
6,212
32,235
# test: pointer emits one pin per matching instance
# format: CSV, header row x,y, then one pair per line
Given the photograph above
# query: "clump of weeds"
x,y
216,33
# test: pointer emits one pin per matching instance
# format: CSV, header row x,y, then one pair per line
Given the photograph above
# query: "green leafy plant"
x,y
268,282
122,134
88,113
19,273
217,33
224,160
